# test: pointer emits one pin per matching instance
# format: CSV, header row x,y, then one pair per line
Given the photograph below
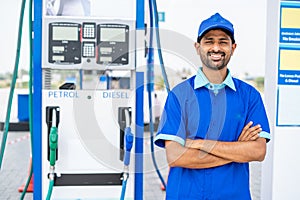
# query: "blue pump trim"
x,y
37,99
139,137
140,18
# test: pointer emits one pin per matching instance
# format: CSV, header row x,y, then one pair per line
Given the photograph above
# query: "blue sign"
x,y
289,23
289,65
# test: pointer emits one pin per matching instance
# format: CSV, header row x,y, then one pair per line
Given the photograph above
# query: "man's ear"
x,y
233,48
197,45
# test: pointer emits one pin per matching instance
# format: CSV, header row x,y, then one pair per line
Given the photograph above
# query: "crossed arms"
x,y
210,153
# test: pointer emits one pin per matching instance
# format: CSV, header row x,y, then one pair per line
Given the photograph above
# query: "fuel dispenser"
x,y
85,126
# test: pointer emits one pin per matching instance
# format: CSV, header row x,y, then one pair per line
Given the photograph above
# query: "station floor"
x,y
16,162
15,166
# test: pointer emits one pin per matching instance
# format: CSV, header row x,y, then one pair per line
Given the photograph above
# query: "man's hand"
x,y
250,133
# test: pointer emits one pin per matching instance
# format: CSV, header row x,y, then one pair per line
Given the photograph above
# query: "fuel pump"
x,y
77,57
89,158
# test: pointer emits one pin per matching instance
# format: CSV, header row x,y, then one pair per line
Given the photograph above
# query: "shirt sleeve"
x,y
266,135
171,126
257,114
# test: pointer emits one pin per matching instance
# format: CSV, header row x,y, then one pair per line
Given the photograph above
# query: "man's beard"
x,y
209,63
216,68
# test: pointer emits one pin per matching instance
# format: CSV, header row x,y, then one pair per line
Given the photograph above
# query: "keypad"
x,y
88,49
89,30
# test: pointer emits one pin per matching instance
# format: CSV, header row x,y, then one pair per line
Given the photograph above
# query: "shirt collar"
x,y
201,80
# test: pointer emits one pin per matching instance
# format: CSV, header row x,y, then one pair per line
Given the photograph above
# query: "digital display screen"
x,y
106,59
58,58
58,48
112,34
69,33
105,50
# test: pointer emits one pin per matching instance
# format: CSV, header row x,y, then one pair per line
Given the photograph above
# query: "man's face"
x,y
215,49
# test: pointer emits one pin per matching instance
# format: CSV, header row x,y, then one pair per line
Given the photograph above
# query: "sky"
x,y
183,17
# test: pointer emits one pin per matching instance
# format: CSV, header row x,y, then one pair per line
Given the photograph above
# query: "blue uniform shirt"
x,y
196,109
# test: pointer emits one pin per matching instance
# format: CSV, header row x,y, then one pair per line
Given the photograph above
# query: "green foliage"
x,y
159,83
259,82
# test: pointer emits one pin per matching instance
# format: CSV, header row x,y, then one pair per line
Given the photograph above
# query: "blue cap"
x,y
216,21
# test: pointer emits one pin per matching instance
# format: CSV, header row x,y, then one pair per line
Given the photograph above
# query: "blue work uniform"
x,y
197,109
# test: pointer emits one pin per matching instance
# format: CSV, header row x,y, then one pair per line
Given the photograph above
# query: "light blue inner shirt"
x,y
201,80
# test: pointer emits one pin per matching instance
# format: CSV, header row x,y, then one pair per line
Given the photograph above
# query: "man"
x,y
213,125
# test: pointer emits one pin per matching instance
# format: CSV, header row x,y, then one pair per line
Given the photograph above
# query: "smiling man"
x,y
213,125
